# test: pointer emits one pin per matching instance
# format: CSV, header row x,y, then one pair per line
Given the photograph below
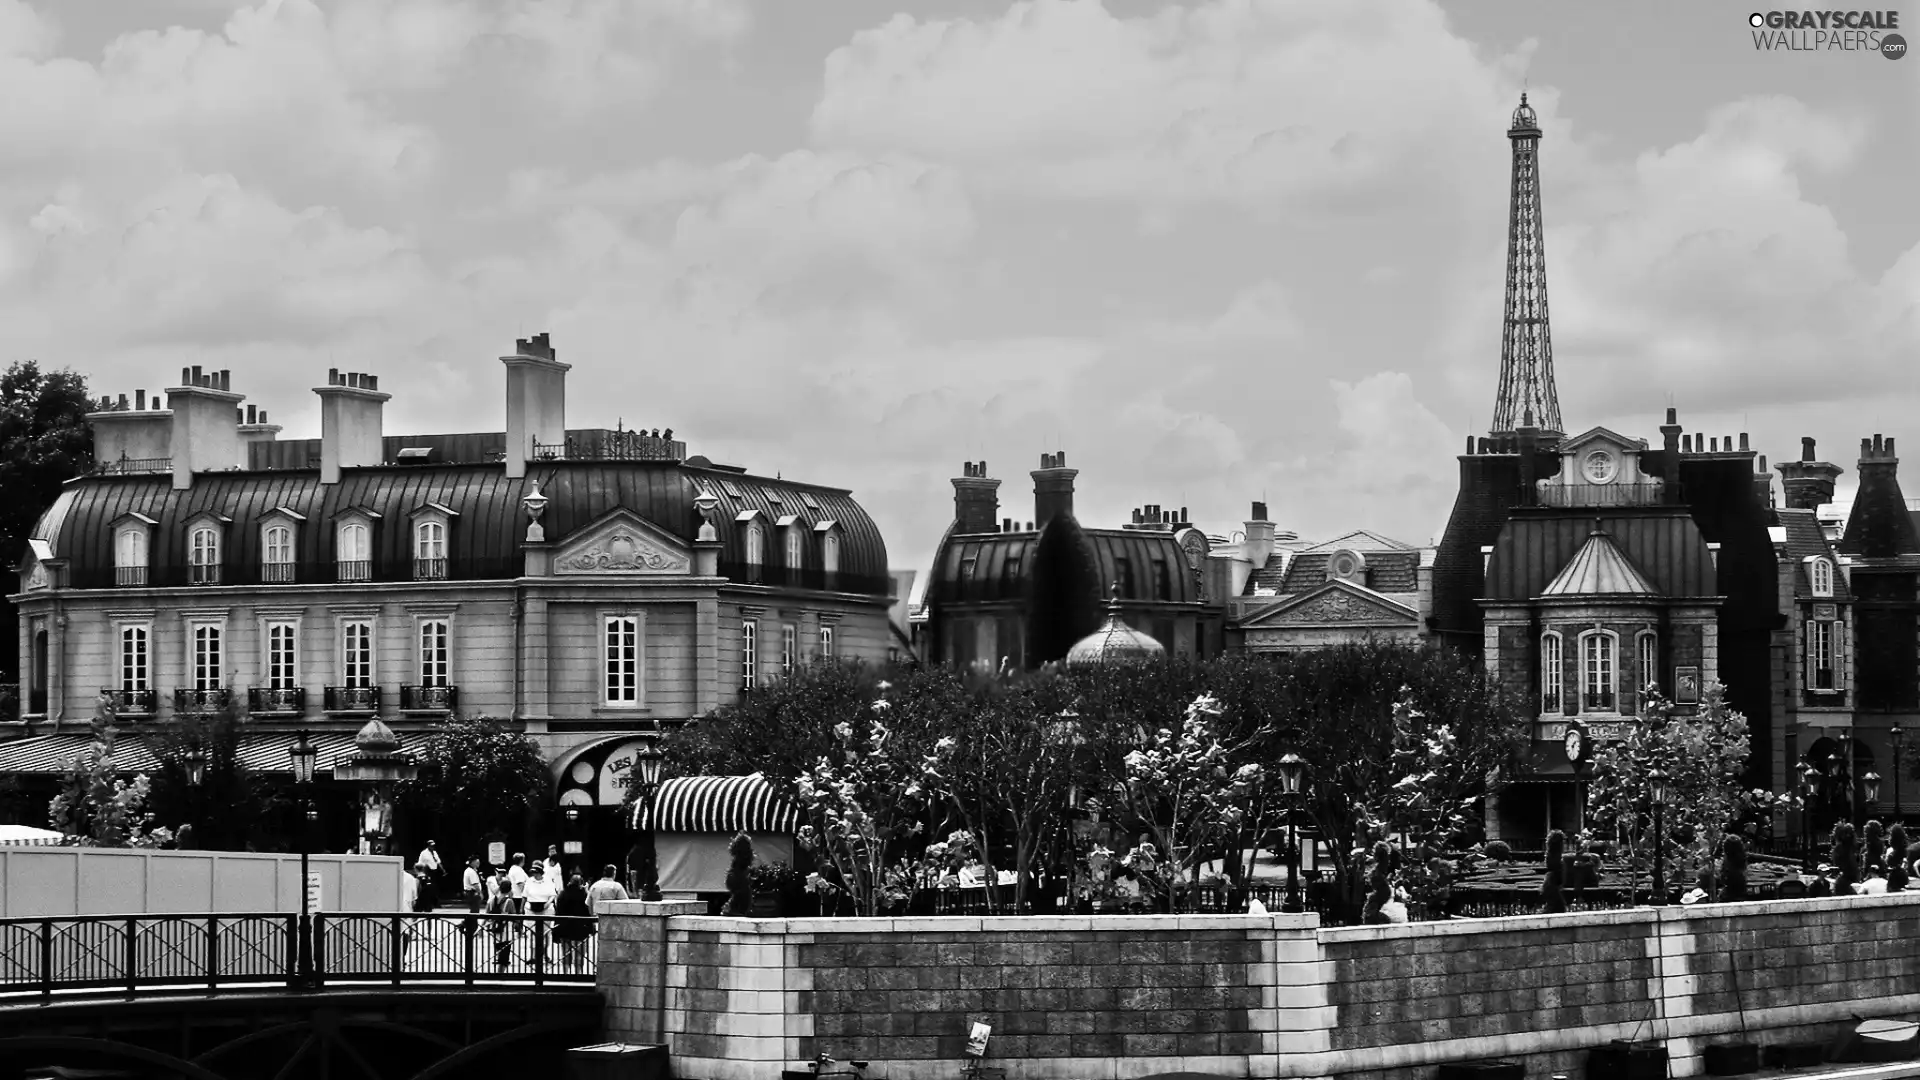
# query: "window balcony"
x,y
429,569
132,702
276,573
277,701
203,574
351,700
429,699
126,466
1812,698
201,702
1597,701
353,570
1599,495
129,577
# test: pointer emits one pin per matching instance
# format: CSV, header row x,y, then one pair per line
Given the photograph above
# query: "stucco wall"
x,y
42,882
1244,996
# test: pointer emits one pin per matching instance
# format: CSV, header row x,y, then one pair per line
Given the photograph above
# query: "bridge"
x,y
262,996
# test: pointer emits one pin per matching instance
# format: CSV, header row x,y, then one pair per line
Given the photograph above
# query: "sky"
x,y
1216,251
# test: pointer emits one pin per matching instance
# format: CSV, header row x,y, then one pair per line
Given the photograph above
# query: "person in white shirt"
x,y
539,895
409,891
517,877
429,869
471,888
552,865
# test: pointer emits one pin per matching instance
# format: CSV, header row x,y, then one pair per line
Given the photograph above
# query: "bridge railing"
x,y
129,953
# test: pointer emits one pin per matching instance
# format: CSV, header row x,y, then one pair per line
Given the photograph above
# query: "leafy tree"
x,y
1065,592
1192,792
227,810
863,802
96,807
45,440
780,729
477,775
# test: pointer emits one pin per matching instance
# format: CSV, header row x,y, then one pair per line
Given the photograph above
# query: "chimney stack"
x,y
1807,483
1880,526
1763,483
255,429
976,500
350,424
1052,488
205,430
1259,536
136,434
537,401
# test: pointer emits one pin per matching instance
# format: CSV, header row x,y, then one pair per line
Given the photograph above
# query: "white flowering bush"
x,y
862,804
96,807
1193,795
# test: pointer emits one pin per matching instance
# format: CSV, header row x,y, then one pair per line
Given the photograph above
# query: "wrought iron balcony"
x,y
1823,699
276,573
132,702
353,699
125,465
1597,701
618,445
277,701
1556,494
806,577
429,569
212,700
353,570
129,577
429,699
203,574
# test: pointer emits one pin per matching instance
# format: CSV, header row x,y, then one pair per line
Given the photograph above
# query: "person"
x,y
429,868
471,888
554,871
539,894
500,907
517,877
573,925
409,891
607,888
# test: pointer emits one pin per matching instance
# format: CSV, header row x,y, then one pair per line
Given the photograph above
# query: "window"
x,y
1162,581
204,556
1597,671
756,544
1649,661
1552,673
830,553
1123,576
434,635
1820,575
826,643
133,658
430,551
276,545
1820,656
352,552
207,657
356,654
130,556
623,660
789,648
749,652
283,655
796,549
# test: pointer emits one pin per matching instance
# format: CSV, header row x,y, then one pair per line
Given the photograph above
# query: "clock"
x,y
1600,467
1576,743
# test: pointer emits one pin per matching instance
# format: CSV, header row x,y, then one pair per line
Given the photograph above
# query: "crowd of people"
x,y
542,889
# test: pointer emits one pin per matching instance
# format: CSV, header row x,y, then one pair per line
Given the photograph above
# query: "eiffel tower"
x,y
1527,395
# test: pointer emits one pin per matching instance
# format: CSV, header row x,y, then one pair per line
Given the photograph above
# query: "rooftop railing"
x,y
613,446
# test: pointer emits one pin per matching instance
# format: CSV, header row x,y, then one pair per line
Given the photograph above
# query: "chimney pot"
x,y
1743,441
1183,514
226,379
186,376
123,401
333,376
1686,444
252,415
1673,415
1889,446
140,400
1763,465
196,376
263,416
1030,526
1806,448
1866,448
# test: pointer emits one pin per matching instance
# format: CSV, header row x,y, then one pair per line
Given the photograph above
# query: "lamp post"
x,y
195,763
303,754
648,762
1293,771
1870,783
378,762
571,845
1809,792
1657,792
1898,737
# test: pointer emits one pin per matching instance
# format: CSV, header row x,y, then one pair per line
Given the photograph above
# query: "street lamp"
x,y
303,754
1293,772
571,845
195,763
1871,783
648,762
1657,792
1898,736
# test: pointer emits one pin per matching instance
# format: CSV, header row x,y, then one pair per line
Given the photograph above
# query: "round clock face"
x,y
1600,467
1574,744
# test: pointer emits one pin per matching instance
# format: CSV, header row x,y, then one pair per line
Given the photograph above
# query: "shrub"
x,y
739,877
1733,869
1897,872
1499,852
1551,889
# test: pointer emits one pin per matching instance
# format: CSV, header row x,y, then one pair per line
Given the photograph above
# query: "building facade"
x,y
587,585
1285,595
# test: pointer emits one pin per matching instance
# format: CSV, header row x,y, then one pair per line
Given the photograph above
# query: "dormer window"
x,y
276,546
205,550
132,543
430,526
1347,565
353,547
753,543
796,546
1820,576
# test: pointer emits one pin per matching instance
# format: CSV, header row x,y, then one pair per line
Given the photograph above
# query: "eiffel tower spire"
x,y
1527,395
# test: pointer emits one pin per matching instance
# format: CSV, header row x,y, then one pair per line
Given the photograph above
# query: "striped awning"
x,y
52,755
719,804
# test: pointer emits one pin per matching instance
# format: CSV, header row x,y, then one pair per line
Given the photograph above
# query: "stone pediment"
x,y
622,543
1337,603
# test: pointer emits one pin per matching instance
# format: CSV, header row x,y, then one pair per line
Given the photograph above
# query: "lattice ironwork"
x,y
1527,394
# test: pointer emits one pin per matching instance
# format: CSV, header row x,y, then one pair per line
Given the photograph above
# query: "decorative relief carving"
x,y
1335,607
623,551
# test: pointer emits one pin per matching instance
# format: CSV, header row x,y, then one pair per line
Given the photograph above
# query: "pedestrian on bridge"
x,y
607,888
431,872
472,890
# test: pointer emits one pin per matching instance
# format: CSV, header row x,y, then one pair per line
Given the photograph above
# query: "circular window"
x,y
582,772
1601,467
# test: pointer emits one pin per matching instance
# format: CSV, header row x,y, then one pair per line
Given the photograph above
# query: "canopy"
x,y
727,804
27,834
134,752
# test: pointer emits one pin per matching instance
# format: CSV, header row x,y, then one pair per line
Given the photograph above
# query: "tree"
x,y
1063,604
476,774
228,809
45,440
780,729
96,807
1193,794
864,804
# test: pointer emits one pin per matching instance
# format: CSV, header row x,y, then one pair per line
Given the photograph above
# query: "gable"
x,y
1336,603
1362,541
1600,436
622,542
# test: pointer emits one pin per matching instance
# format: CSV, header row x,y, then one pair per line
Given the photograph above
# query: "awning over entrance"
x,y
726,804
52,755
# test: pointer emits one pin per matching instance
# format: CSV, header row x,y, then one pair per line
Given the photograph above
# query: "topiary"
x,y
1733,869
1873,848
1897,872
1498,851
1846,859
1553,898
740,876
1379,886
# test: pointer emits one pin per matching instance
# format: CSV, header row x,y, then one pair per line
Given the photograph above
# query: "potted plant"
x,y
771,880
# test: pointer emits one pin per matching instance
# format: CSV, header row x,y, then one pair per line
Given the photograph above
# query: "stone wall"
x,y
1115,998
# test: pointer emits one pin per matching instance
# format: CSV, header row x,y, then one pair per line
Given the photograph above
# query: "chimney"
x,y
976,500
135,439
1880,526
350,423
1052,488
205,431
1763,483
1529,439
1807,483
537,402
1670,449
255,429
1259,536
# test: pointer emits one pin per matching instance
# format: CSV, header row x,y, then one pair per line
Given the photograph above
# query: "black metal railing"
x,y
1597,701
429,569
429,698
353,699
346,570
129,577
805,577
203,574
613,446
1582,494
1823,699
132,702
211,700
124,465
125,954
277,573
277,701
306,573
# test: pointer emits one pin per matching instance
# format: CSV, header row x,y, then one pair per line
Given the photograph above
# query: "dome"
x,y
1114,643
376,738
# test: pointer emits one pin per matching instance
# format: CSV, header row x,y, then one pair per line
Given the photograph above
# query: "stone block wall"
x,y
1117,998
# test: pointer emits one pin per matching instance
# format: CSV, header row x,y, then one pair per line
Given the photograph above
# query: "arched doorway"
x,y
592,780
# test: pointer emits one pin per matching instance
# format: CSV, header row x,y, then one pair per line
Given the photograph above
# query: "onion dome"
x,y
376,738
1114,643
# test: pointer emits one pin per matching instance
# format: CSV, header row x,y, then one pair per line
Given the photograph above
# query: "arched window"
x,y
796,548
830,552
203,547
430,551
276,546
1552,673
130,556
352,552
1647,649
1820,576
1599,671
756,545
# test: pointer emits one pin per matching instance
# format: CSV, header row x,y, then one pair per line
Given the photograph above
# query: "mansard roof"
x,y
990,580
1599,569
1665,546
